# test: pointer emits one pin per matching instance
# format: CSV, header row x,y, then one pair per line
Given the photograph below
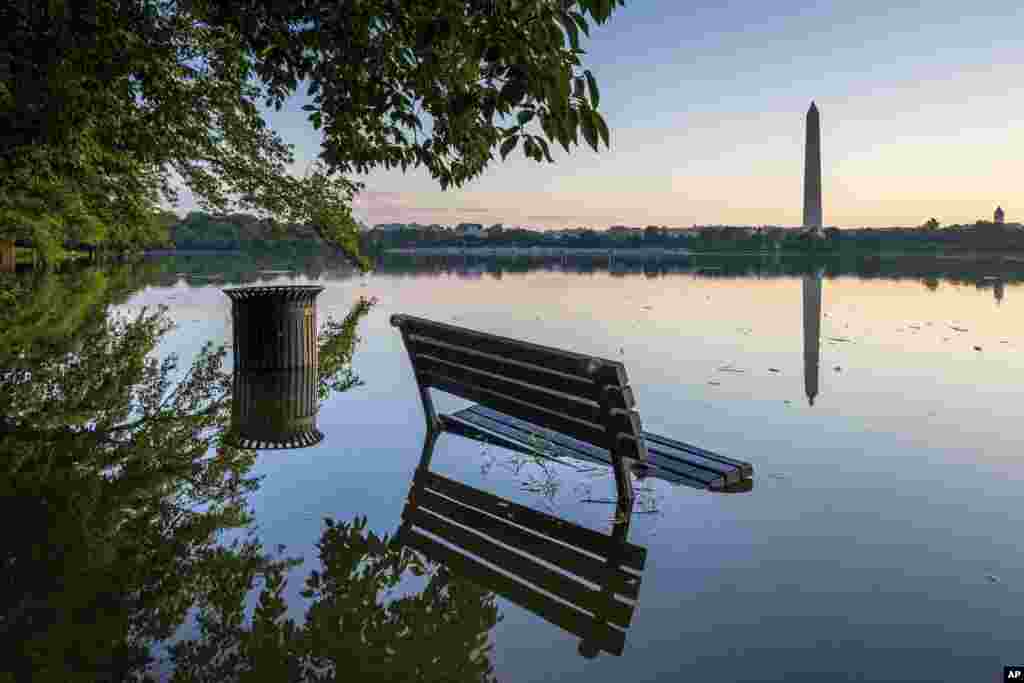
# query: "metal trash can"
x,y
274,402
274,327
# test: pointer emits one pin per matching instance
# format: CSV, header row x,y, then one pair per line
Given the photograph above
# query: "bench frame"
x,y
614,424
573,405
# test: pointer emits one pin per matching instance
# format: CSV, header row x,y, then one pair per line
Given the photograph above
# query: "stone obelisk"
x,y
812,170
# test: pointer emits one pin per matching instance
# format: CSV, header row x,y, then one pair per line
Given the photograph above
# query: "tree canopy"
x,y
103,104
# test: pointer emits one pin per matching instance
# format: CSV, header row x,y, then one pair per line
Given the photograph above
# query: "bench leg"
x,y
428,450
433,423
623,482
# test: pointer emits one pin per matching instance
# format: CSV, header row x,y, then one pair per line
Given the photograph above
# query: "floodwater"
x,y
880,406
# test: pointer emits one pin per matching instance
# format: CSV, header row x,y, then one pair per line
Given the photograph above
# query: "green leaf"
x,y
508,146
589,130
595,95
602,127
544,147
573,120
581,21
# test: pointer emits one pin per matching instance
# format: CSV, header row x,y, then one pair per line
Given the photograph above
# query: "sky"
x,y
706,102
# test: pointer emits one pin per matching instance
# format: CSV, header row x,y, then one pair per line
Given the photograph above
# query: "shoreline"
x,y
540,251
993,257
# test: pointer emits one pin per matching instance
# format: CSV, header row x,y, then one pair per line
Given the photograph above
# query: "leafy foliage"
x,y
102,104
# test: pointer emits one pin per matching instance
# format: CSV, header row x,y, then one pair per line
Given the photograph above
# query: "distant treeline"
x,y
981,236
239,231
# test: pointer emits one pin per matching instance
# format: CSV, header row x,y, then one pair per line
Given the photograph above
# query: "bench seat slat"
x,y
542,577
624,421
630,555
744,467
525,372
499,434
564,557
708,473
610,372
548,399
567,618
709,477
578,429
582,430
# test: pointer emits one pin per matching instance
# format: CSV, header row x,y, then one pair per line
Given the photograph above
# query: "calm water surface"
x,y
881,540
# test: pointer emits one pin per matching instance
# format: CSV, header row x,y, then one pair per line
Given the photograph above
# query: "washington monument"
x,y
812,170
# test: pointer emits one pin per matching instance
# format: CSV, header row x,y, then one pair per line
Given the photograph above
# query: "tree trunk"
x,y
7,256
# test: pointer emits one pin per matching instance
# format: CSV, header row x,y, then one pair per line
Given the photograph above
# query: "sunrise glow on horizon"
x,y
706,108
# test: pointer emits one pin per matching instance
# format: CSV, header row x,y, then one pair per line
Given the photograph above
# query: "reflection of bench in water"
x,y
583,581
558,402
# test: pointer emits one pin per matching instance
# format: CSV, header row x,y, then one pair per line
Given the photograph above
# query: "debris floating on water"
x,y
714,383
837,369
774,370
958,329
838,339
992,578
977,348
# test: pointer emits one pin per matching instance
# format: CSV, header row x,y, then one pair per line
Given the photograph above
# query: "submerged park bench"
x,y
552,402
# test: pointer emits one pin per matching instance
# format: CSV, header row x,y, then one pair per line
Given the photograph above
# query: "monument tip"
x,y
813,106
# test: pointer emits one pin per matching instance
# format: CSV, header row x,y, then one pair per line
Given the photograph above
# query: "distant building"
x,y
389,227
1000,217
621,232
469,229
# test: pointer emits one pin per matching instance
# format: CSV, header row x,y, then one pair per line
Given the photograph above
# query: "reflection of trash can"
x,y
274,327
275,409
274,401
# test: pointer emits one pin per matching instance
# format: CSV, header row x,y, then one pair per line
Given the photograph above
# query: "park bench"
x,y
514,551
552,402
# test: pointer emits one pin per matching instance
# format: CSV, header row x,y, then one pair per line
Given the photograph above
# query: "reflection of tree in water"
x,y
437,634
109,472
48,308
117,486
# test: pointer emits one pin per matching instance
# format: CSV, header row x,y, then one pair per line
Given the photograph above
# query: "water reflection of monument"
x,y
812,333
274,402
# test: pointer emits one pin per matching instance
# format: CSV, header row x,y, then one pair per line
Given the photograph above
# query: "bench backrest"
x,y
478,528
585,397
